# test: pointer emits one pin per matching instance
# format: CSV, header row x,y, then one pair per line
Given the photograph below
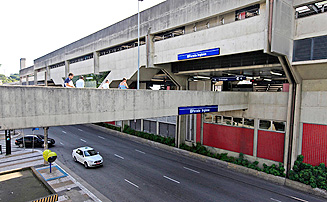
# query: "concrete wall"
x,y
264,105
314,107
26,107
237,37
165,16
317,24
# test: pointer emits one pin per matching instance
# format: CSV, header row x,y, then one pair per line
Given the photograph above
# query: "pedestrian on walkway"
x,y
69,82
106,85
80,82
123,84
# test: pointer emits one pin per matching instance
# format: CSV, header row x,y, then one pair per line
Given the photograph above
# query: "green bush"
x,y
157,138
109,126
315,176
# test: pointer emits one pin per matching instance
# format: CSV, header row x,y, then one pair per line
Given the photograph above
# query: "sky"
x,y
32,28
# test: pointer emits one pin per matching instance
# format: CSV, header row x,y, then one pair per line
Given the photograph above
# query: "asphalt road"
x,y
137,172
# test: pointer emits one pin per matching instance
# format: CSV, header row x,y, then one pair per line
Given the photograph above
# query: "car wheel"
x,y
85,165
21,145
75,159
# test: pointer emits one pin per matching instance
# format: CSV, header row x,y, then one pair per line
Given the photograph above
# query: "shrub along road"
x,y
138,172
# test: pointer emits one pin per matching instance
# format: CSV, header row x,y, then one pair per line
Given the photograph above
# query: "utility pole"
x,y
138,44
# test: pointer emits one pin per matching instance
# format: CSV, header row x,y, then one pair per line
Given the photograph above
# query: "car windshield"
x,y
90,153
40,136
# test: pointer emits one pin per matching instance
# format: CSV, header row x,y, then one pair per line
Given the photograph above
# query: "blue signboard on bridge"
x,y
197,109
199,54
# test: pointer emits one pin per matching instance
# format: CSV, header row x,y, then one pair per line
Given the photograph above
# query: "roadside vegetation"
x,y
9,79
315,176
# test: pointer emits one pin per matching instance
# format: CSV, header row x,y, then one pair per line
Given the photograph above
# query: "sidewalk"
x,y
67,185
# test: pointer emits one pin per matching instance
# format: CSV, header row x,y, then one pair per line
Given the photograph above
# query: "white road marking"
x,y
80,129
293,197
275,200
171,179
119,156
64,132
140,151
83,140
101,137
131,183
191,170
61,143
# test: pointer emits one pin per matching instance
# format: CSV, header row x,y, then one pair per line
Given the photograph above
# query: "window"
x,y
265,125
247,12
249,123
278,126
227,120
238,122
218,119
208,118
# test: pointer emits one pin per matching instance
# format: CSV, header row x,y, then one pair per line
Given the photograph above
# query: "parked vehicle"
x,y
87,156
38,141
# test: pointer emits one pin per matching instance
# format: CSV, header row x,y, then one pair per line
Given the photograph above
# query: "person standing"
x,y
123,84
80,82
69,82
106,85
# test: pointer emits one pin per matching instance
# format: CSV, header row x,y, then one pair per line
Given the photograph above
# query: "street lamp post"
x,y
138,44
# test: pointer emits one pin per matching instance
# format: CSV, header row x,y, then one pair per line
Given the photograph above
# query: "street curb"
x,y
234,167
78,179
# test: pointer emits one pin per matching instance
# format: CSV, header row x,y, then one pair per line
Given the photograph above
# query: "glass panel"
x,y
249,123
208,118
218,119
227,120
265,125
238,122
279,126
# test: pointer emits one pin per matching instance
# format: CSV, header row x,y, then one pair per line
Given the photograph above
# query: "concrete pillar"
x,y
35,77
46,145
125,122
296,130
149,51
142,125
27,81
202,118
181,130
255,137
22,63
66,68
96,62
157,129
47,75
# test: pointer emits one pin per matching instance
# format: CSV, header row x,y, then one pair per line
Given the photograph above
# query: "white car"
x,y
87,156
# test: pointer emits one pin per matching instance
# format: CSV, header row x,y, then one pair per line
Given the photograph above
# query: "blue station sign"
x,y
197,109
199,54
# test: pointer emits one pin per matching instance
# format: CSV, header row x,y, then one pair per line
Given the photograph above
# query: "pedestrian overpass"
x,y
34,106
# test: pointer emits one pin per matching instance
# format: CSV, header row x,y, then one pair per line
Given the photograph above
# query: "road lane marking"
x,y
191,170
80,129
61,143
140,151
275,200
83,140
119,156
171,179
64,132
131,183
293,197
101,137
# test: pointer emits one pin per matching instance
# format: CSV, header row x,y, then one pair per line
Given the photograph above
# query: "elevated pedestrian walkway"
x,y
29,107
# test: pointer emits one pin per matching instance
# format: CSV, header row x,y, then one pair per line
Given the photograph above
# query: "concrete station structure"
x,y
279,47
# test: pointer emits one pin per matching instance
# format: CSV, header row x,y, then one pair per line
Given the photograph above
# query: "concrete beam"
x,y
27,107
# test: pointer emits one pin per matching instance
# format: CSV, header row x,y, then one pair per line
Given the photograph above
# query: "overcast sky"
x,y
32,28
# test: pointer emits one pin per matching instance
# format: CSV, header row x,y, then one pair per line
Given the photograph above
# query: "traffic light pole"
x,y
46,146
8,142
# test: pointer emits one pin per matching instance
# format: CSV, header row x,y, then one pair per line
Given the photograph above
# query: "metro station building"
x,y
275,50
